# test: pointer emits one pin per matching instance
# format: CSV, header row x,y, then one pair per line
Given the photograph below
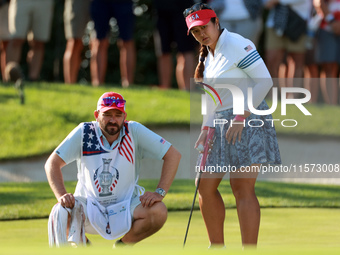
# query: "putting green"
x,y
293,230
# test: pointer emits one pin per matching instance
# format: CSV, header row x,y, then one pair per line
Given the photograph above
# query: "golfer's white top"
x,y
147,144
235,61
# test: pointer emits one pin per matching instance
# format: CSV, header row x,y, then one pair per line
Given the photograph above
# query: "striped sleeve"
x,y
249,60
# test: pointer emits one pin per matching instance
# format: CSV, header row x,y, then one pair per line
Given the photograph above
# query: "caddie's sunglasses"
x,y
109,101
195,8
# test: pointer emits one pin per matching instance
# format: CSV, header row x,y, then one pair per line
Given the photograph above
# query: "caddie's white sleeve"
x,y
70,149
149,144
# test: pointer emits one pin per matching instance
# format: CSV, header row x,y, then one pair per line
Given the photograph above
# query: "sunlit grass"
x,y
35,200
51,111
282,231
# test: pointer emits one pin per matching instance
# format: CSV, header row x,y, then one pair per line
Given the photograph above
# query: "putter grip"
x,y
210,136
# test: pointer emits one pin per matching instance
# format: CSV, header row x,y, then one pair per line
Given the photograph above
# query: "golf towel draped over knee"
x,y
57,225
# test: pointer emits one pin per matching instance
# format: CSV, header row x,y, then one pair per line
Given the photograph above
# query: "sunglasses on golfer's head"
x,y
109,101
195,8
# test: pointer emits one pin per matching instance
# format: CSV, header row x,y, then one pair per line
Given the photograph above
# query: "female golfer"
x,y
229,58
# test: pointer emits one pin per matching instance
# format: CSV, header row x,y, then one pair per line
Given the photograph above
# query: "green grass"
x,y
321,123
282,231
51,111
35,200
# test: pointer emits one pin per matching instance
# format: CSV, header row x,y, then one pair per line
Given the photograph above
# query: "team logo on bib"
x,y
106,181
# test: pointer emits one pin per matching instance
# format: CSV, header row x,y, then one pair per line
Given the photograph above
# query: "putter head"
x,y
13,72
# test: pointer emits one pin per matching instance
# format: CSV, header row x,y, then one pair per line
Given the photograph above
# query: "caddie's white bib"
x,y
108,178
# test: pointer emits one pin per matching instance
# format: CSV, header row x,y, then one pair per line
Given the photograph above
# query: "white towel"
x,y
76,234
57,226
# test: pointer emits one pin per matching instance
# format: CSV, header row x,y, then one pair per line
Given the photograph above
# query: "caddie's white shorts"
x,y
88,227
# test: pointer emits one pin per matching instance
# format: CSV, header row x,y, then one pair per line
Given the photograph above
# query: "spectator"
x,y
76,16
29,19
311,71
277,44
240,16
101,12
171,29
328,49
4,34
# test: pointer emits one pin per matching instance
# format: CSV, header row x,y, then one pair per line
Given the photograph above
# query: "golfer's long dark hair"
x,y
200,66
203,50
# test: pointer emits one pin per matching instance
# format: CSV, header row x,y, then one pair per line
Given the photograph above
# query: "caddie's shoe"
x,y
88,242
119,244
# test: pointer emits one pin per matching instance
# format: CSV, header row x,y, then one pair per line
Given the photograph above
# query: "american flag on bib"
x,y
91,144
125,148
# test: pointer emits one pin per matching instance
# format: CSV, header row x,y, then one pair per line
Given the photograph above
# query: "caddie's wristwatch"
x,y
160,192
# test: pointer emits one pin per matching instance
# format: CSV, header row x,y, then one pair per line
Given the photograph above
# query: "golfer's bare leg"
x,y
212,207
147,221
248,208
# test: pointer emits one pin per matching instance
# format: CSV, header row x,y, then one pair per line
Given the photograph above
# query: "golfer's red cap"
x,y
199,18
106,102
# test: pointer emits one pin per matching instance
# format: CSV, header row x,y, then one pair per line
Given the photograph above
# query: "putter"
x,y
206,151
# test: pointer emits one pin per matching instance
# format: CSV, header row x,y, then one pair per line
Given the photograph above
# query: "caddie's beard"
x,y
113,129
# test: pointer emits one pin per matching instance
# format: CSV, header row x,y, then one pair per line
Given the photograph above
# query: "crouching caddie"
x,y
108,200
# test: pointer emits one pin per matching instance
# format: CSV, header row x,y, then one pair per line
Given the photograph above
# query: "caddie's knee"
x,y
159,213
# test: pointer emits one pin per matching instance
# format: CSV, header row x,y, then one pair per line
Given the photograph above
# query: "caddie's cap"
x,y
111,100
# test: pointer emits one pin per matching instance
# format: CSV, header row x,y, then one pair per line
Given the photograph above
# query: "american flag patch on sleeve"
x,y
248,48
250,59
162,141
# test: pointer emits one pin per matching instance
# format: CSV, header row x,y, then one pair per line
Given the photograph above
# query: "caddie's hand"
x,y
150,198
234,132
67,200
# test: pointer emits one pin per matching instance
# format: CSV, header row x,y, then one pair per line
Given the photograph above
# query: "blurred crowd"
x,y
310,52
